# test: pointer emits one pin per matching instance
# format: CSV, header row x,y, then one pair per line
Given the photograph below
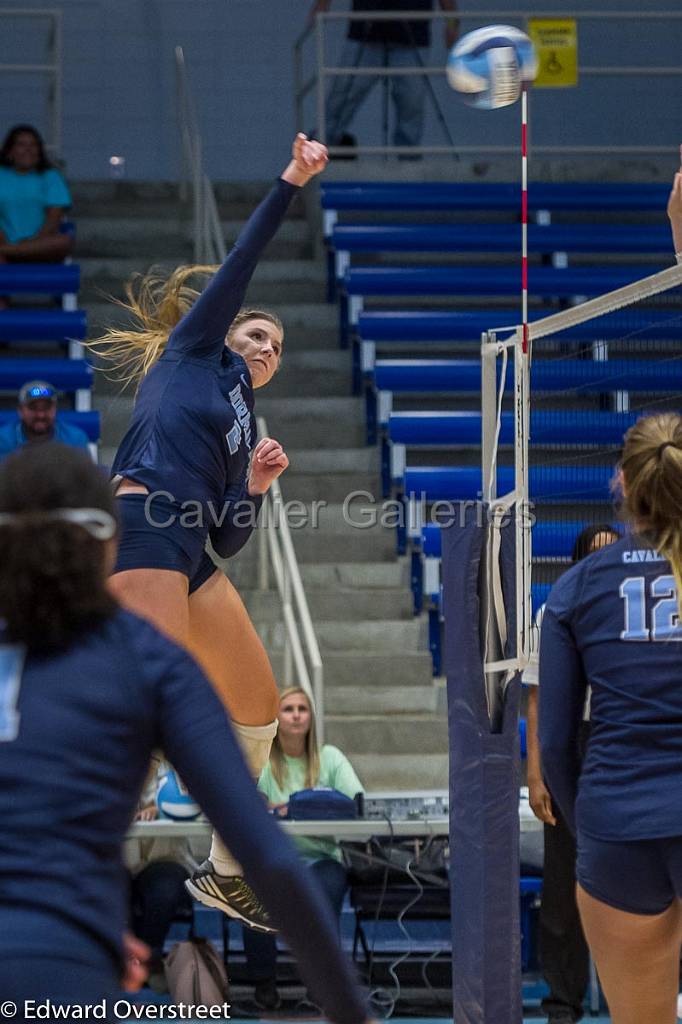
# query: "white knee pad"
x,y
255,741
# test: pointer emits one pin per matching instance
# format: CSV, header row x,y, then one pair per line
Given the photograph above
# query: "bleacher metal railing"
x,y
51,68
276,552
317,81
207,233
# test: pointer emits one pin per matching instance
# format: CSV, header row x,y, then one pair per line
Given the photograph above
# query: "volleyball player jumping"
x,y
188,465
613,622
87,691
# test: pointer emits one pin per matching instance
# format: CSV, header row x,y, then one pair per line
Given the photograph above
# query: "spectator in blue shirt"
x,y
33,199
37,420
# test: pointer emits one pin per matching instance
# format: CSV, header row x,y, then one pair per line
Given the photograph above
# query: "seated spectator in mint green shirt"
x,y
297,762
33,199
37,420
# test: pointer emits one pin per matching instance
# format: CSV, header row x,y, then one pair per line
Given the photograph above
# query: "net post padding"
x,y
484,785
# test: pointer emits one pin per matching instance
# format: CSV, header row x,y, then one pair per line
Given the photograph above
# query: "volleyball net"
x,y
555,406
554,413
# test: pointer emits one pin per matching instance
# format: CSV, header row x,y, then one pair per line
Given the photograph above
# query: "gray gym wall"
x,y
119,84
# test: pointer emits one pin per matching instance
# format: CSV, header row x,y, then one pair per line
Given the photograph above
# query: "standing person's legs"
x,y
408,92
261,950
349,91
261,961
637,958
564,954
333,877
261,955
629,896
158,893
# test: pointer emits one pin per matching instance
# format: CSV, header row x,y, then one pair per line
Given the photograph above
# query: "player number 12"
x,y
12,658
665,619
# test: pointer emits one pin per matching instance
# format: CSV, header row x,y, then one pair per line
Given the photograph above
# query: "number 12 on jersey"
x,y
663,620
12,657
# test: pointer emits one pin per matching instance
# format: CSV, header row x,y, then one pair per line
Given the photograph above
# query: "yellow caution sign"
x,y
556,44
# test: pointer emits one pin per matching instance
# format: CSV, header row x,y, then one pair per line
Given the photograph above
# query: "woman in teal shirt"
x,y
297,762
33,198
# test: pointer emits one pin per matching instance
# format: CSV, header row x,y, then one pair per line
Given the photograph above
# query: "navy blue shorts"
x,y
152,537
203,572
640,876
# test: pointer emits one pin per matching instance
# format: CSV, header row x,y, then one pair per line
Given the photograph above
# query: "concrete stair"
x,y
382,705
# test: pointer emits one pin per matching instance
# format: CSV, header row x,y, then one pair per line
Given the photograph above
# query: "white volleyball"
x,y
488,66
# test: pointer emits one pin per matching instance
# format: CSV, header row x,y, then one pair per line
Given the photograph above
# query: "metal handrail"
x,y
207,233
302,86
52,67
276,550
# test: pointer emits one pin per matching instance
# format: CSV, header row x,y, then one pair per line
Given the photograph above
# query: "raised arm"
x,y
675,214
197,738
202,330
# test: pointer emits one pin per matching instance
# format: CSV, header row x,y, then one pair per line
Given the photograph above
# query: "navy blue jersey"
x,y
612,623
193,425
76,732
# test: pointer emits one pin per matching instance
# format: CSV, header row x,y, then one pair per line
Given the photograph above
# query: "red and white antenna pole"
x,y
524,214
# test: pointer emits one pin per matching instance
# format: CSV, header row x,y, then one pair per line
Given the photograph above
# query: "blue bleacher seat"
x,y
39,278
87,421
550,540
73,376
42,325
502,238
407,327
550,427
423,325
444,429
485,280
66,374
573,283
452,376
577,483
553,196
464,375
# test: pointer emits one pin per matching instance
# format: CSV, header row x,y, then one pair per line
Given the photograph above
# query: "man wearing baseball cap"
x,y
37,420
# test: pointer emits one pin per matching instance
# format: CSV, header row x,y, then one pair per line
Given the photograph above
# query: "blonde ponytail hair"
x,y
652,477
278,765
156,303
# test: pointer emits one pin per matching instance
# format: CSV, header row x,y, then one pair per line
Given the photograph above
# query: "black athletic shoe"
x,y
229,893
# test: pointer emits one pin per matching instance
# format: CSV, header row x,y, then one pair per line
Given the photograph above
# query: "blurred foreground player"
x,y
613,623
87,691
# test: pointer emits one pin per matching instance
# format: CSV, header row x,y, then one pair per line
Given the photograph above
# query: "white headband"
x,y
98,523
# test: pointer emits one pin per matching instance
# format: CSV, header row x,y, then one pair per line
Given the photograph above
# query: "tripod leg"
x,y
440,117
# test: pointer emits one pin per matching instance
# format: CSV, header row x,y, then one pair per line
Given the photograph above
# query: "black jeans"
x,y
158,894
564,954
261,949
